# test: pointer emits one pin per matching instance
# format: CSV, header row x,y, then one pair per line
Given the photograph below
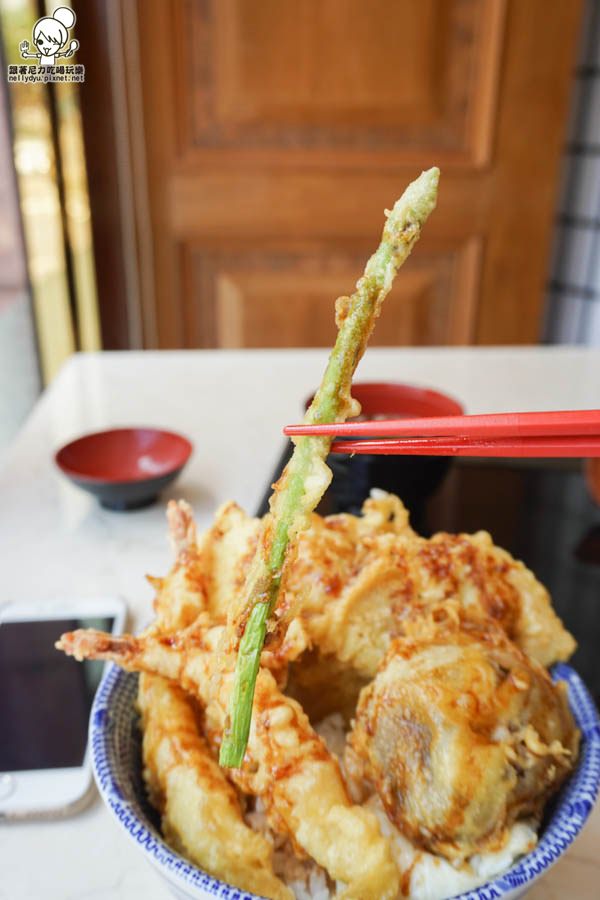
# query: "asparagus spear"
x,y
306,476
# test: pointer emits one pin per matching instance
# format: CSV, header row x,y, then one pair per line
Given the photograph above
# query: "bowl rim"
x,y
80,476
575,802
433,402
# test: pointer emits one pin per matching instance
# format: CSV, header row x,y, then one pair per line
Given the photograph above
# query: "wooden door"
x,y
277,131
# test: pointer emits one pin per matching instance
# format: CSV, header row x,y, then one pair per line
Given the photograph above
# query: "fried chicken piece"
x,y
461,734
201,815
287,763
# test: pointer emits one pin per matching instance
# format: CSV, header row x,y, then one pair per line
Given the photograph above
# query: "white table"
x,y
56,541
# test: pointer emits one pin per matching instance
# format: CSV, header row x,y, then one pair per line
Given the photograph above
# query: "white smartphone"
x,y
45,702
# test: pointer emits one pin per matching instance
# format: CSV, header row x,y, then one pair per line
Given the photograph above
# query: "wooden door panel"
x,y
296,80
282,296
277,132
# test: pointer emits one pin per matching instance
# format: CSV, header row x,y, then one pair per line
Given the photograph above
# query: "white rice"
x,y
307,880
431,878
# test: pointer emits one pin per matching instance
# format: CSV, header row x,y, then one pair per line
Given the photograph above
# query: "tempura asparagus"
x,y
306,476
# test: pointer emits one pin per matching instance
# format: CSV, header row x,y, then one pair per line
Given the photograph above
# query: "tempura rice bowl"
x,y
115,742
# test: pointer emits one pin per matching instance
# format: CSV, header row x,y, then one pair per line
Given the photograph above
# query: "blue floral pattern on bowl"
x,y
116,755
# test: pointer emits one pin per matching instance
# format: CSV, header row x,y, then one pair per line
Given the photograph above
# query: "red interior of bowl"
x,y
124,454
384,398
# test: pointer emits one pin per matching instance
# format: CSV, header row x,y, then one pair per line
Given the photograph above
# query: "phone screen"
x,y
45,696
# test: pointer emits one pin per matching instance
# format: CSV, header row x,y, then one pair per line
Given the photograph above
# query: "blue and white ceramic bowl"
x,y
116,754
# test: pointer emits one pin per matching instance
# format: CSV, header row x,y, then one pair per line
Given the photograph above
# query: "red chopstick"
x,y
567,433
490,425
573,447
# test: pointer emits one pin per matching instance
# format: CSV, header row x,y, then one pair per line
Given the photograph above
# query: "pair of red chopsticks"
x,y
570,433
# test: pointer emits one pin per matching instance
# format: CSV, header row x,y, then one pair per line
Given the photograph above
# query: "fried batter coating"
x,y
201,815
348,589
352,580
227,550
359,578
209,570
182,595
461,734
287,763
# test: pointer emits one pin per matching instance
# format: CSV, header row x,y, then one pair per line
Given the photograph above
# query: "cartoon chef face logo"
x,y
50,37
